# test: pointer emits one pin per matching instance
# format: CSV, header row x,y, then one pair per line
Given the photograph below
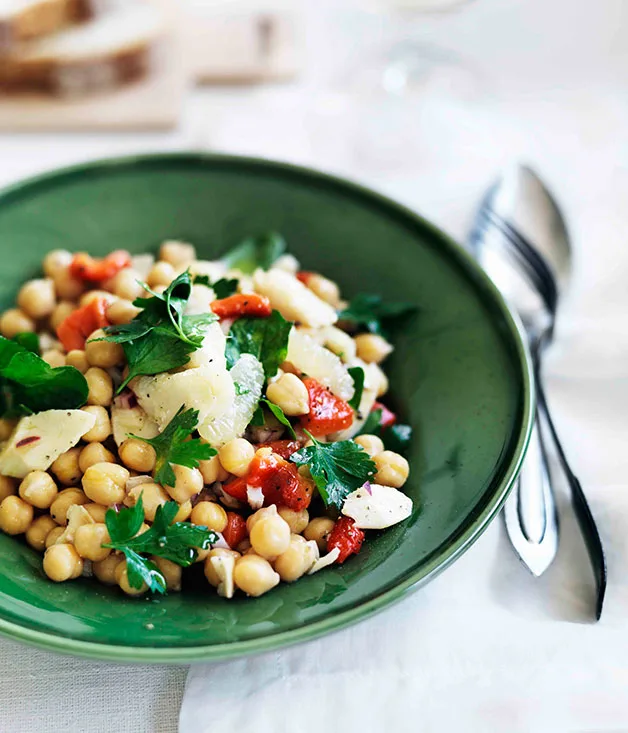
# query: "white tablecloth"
x,y
485,646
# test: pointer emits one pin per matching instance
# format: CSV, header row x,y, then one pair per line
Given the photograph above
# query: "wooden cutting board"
x,y
202,47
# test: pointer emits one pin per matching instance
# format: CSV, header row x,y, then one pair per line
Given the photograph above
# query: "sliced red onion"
x,y
126,401
367,488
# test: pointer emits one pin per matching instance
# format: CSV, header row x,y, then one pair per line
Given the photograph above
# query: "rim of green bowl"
x,y
413,580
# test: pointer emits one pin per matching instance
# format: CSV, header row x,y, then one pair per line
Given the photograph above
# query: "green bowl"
x,y
460,376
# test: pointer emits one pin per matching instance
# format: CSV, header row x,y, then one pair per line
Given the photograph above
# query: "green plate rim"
x,y
360,611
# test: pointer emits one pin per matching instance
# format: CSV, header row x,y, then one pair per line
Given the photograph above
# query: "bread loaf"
x,y
106,51
23,20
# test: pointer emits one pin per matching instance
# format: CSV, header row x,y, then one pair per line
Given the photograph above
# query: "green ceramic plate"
x,y
459,375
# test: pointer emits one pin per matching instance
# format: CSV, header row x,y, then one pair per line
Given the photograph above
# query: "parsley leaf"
x,y
173,446
160,337
279,414
357,374
30,341
177,542
370,312
265,338
254,252
28,384
223,288
337,468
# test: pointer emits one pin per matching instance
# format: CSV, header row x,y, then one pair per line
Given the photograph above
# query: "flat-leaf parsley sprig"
x,y
178,542
160,337
172,446
337,468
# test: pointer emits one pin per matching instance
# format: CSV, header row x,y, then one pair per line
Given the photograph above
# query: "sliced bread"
x,y
23,20
102,53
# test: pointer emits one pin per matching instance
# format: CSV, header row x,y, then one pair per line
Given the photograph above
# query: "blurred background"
x,y
425,100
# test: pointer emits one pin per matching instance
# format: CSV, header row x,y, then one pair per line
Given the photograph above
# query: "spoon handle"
x,y
580,505
530,513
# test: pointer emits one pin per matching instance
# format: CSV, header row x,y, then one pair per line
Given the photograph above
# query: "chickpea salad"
x,y
162,412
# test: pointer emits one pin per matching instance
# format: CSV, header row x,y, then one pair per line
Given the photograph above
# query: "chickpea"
x,y
105,483
296,560
15,321
102,427
58,260
37,298
153,496
38,531
67,287
210,572
77,359
178,254
171,572
53,536
289,393
122,578
94,453
65,499
326,289
270,536
97,512
318,530
254,575
392,469
126,284
287,263
236,456
372,444
89,540
378,375
372,348
340,343
189,482
38,489
8,487
62,562
212,470
61,311
267,511
137,455
104,354
184,513
54,358
105,570
66,467
161,273
92,295
100,387
211,515
16,515
297,521
122,311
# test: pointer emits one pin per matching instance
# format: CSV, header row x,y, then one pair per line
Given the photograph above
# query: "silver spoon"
x,y
521,240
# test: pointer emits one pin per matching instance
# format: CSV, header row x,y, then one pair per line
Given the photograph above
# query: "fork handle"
x,y
580,505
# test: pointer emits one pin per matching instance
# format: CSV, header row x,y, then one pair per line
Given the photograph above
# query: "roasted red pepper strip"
x,y
236,488
236,530
243,304
304,276
89,269
388,417
346,537
74,330
279,481
283,448
328,413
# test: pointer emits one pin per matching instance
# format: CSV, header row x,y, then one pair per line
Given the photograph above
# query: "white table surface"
x,y
484,646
